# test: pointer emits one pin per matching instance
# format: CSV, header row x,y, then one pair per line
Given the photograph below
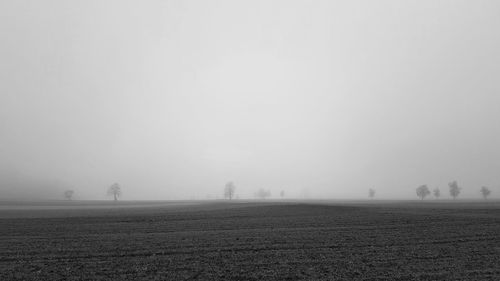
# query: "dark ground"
x,y
250,241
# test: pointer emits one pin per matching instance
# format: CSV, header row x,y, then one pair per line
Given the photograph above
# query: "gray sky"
x,y
173,98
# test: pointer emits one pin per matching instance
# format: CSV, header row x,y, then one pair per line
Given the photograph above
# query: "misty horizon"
x,y
172,99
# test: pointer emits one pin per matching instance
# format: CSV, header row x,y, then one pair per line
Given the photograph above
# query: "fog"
x,y
172,99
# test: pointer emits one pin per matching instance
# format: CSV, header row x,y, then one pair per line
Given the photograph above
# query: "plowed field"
x,y
252,241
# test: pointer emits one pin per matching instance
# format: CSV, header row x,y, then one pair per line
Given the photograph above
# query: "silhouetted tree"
x,y
423,191
115,190
371,193
485,192
454,189
229,190
68,194
262,193
282,194
436,192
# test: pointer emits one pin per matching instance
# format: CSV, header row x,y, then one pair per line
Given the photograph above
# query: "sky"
x,y
172,99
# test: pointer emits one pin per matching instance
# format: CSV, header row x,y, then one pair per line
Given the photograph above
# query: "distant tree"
x,y
68,194
436,192
485,192
454,189
305,193
282,194
371,193
115,190
423,191
262,193
229,190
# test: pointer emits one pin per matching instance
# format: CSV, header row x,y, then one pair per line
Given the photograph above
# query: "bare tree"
x,y
436,192
68,194
229,190
454,189
371,193
282,194
115,190
423,191
262,193
485,192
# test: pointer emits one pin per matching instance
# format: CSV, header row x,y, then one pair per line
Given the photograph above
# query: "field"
x,y
250,241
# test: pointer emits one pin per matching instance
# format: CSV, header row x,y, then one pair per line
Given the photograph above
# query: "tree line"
x,y
230,188
114,190
423,191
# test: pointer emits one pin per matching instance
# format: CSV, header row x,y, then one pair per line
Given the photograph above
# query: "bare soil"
x,y
251,241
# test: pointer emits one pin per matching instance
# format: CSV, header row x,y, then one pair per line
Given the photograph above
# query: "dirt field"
x,y
250,241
